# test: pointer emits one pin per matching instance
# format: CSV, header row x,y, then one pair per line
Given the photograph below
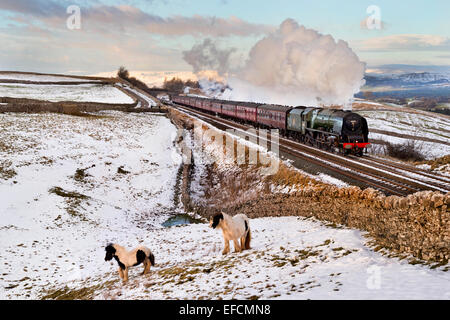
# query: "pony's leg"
x,y
125,275
227,247
120,273
243,243
146,266
237,247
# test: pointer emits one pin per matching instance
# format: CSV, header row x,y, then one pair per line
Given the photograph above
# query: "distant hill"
x,y
406,68
401,81
422,79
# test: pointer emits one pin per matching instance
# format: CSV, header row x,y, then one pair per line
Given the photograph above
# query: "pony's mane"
x,y
216,219
110,248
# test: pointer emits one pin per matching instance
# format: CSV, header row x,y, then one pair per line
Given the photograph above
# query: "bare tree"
x,y
123,73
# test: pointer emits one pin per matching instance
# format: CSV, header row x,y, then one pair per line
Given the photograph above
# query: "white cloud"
x,y
405,42
106,19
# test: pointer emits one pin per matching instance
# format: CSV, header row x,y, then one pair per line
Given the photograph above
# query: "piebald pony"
x,y
127,259
233,228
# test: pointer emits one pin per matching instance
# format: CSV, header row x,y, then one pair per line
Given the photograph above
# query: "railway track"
x,y
436,180
387,176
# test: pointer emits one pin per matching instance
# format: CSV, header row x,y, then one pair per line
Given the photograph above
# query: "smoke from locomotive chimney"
x,y
293,66
207,56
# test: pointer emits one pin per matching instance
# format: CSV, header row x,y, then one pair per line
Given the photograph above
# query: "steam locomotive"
x,y
329,129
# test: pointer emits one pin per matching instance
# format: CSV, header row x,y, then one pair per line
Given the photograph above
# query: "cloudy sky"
x,y
152,35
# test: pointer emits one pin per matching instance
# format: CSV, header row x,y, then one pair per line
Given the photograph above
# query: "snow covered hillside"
x,y
431,131
69,185
291,258
55,93
40,77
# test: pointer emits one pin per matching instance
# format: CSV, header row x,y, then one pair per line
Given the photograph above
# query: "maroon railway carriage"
x,y
178,99
229,109
183,100
206,104
246,111
216,106
197,103
273,116
192,101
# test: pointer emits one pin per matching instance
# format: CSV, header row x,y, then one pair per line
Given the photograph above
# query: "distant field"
x,y
394,124
40,77
54,93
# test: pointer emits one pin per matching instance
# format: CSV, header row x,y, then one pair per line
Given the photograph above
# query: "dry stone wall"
x,y
34,106
418,224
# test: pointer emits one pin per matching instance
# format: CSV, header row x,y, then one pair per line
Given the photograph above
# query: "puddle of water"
x,y
180,219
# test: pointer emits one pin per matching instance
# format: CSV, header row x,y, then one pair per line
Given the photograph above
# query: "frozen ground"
x,y
79,93
69,184
291,258
40,78
414,124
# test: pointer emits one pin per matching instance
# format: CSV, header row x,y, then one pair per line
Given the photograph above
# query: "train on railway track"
x,y
330,129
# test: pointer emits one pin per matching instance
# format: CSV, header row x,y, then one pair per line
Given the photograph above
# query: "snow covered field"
x,y
69,185
40,78
420,125
291,258
78,93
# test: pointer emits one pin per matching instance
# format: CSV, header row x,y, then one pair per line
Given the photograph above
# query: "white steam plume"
x,y
295,66
298,66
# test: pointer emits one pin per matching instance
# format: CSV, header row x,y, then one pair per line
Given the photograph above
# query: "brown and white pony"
x,y
127,259
233,228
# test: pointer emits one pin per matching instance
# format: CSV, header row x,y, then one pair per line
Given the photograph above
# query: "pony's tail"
x,y
151,257
248,238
